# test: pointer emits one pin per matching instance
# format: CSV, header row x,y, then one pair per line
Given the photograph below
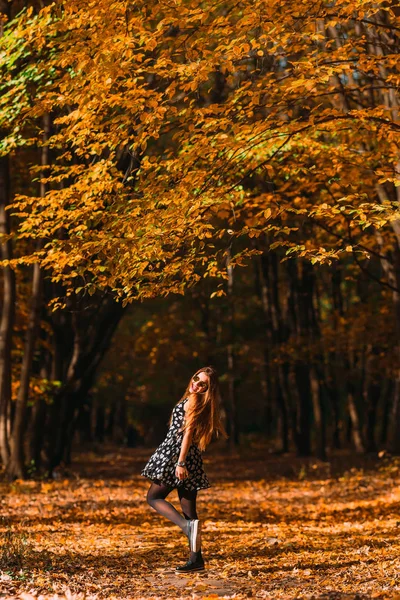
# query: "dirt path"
x,y
273,528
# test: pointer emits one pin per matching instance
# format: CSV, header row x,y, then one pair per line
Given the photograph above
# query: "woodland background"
x,y
190,183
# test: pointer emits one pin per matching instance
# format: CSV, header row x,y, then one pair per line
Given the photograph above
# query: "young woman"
x,y
177,462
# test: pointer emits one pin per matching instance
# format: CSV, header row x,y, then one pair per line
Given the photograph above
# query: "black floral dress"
x,y
161,464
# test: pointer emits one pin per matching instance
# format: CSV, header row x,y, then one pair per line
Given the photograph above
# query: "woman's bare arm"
x,y
187,436
181,472
186,441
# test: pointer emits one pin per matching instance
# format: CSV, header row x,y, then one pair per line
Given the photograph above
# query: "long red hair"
x,y
204,416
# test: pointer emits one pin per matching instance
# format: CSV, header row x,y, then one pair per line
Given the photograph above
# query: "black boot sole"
x,y
180,571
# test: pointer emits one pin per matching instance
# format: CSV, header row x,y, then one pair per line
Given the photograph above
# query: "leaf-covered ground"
x,y
274,527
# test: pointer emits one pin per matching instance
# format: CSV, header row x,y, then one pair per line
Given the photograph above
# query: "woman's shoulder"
x,y
189,401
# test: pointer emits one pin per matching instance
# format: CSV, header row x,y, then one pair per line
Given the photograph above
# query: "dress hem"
x,y
161,465
175,487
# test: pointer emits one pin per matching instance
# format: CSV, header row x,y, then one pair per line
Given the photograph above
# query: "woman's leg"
x,y
188,504
156,499
188,499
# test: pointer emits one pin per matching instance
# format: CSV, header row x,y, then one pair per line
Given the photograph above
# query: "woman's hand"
x,y
181,473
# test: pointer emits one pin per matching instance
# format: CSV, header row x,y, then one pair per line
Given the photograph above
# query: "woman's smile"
x,y
199,383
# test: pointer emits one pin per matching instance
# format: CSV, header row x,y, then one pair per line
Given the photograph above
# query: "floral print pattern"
x,y
161,464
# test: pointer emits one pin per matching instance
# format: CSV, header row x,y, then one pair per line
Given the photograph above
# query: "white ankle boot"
x,y
194,534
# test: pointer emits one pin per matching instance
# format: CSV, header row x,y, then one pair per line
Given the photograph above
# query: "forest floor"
x,y
274,527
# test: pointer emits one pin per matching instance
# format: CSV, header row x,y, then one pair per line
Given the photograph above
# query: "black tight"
x,y
156,498
188,498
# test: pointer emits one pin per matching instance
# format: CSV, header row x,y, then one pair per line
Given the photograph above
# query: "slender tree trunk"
x,y
8,295
319,419
356,429
385,402
232,417
394,429
263,281
283,403
84,420
371,394
372,406
332,387
302,288
276,333
99,423
16,467
392,272
35,432
7,315
304,410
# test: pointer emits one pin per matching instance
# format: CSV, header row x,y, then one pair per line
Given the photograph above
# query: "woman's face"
x,y
199,383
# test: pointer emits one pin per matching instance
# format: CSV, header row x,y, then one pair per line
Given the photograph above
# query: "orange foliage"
x,y
178,127
277,528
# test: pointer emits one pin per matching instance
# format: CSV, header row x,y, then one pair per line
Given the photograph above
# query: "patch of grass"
x,y
18,556
15,549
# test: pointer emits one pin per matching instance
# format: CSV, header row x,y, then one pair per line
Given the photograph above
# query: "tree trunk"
x,y
276,333
304,410
99,423
89,349
35,434
319,419
333,387
301,278
232,416
386,402
7,314
8,296
16,467
392,272
372,390
263,282
283,403
36,428
355,424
